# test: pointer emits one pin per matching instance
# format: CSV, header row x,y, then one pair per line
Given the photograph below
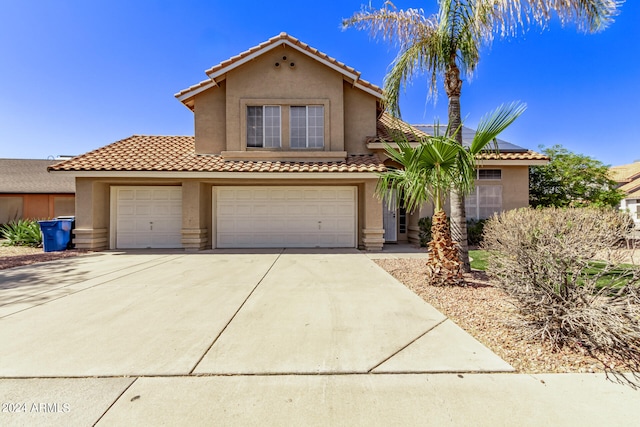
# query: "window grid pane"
x,y
254,127
316,126
489,174
298,126
272,126
489,200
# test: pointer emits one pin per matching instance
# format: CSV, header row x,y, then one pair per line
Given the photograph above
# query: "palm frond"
x,y
398,27
423,56
512,15
493,123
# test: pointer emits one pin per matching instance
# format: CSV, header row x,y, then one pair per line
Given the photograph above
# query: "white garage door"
x,y
286,217
148,217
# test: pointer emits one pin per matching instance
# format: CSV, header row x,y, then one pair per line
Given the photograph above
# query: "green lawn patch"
x,y
479,259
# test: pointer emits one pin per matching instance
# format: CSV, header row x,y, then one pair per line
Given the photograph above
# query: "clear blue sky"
x,y
77,75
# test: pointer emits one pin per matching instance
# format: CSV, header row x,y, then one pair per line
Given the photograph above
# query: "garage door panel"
x,y
148,217
249,217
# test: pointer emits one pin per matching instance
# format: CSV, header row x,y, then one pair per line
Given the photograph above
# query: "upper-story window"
x,y
263,126
307,126
489,174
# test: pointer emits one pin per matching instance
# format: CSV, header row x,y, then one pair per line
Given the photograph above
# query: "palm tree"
x,y
430,171
447,46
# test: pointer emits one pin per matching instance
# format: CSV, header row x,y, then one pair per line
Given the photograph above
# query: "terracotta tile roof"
x,y
625,173
631,186
628,176
388,125
525,155
177,154
31,176
224,66
634,195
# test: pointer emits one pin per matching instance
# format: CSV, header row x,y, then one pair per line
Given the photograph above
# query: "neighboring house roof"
x,y
30,176
628,176
387,126
177,153
218,72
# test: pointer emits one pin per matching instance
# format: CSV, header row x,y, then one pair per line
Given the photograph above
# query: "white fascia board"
x,y
195,91
368,90
218,175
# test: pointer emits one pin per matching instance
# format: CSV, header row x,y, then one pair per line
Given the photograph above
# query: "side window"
x,y
484,201
307,126
263,126
489,174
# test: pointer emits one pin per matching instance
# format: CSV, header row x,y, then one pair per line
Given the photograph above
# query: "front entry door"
x,y
390,220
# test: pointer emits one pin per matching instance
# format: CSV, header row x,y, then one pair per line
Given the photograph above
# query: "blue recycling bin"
x,y
56,234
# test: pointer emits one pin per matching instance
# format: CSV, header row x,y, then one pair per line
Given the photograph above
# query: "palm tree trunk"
x,y
453,87
443,265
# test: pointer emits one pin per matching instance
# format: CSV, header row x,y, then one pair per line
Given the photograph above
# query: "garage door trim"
x,y
336,230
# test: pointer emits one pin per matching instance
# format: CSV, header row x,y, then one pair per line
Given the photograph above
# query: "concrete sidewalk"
x,y
294,337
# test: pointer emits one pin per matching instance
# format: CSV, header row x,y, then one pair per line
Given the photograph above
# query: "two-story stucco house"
x,y
285,154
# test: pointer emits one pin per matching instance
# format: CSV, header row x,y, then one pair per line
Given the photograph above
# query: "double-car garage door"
x,y
243,217
289,217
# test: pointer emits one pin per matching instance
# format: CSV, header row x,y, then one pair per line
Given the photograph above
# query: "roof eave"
x,y
214,74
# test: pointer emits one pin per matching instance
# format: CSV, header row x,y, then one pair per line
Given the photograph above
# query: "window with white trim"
x,y
490,174
484,201
306,125
263,126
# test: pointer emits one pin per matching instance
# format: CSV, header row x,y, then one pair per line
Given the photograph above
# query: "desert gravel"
x,y
16,256
490,316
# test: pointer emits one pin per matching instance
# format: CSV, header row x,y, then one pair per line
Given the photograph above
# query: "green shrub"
x,y
563,268
474,231
24,232
425,230
475,228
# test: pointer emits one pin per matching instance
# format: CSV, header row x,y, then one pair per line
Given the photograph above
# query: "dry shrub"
x,y
564,269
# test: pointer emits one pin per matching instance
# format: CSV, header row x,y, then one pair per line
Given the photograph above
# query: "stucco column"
x,y
92,215
194,216
372,230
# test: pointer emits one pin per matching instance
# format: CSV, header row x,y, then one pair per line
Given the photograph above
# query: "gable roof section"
x,y
628,176
30,176
625,173
217,72
388,126
177,154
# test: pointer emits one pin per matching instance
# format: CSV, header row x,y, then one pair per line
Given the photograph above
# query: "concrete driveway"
x,y
108,337
182,314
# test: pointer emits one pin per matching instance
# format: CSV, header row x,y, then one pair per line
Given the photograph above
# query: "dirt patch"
x,y
16,256
490,316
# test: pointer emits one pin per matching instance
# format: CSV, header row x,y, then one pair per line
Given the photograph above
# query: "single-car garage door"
x,y
148,217
286,217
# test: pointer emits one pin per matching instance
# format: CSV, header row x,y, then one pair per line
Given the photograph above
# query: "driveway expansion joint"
x,y
236,313
408,344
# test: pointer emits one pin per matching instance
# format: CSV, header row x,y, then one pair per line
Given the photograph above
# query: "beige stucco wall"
x,y
515,186
359,119
261,82
210,120
220,112
93,212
